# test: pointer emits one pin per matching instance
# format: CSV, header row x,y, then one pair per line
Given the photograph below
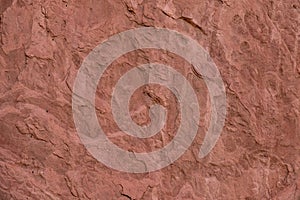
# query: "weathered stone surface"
x,y
256,47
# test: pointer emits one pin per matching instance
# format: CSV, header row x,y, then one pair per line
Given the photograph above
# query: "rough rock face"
x,y
255,45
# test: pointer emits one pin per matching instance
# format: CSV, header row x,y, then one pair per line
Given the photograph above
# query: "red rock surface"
x,y
255,45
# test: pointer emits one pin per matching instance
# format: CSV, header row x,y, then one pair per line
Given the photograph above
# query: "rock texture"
x,y
256,46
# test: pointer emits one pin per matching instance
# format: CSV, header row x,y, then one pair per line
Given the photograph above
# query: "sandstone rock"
x,y
255,45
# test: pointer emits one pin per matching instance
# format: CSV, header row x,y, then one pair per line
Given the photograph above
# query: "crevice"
x,y
188,20
122,193
165,13
196,73
156,99
224,2
191,22
127,196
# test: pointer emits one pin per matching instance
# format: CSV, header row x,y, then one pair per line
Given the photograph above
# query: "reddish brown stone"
x,y
255,45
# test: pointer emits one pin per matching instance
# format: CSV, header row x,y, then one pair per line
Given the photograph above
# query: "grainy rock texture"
x,y
254,43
